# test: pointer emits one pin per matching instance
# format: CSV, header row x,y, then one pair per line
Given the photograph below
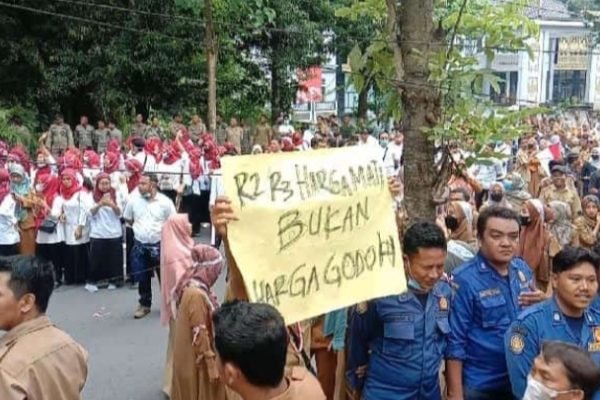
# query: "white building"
x,y
564,65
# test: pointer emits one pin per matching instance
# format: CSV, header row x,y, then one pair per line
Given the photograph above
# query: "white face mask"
x,y
39,187
536,390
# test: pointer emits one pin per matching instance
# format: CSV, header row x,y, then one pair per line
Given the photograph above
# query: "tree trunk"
x,y
418,41
211,58
275,91
363,101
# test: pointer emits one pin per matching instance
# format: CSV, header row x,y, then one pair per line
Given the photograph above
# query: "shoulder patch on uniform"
x,y
362,307
443,303
517,344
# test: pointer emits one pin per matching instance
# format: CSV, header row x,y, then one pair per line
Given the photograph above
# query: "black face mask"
x,y
595,158
451,222
496,197
524,220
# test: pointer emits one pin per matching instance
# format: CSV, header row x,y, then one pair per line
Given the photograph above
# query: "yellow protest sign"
x,y
316,229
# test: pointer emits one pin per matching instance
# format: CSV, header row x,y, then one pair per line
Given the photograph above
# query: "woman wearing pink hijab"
x,y
175,258
195,372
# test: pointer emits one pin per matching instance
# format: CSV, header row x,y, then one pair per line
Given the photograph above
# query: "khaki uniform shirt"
x,y
138,129
196,130
551,193
116,134
101,137
24,137
174,127
154,132
302,386
234,136
59,139
40,362
84,136
263,134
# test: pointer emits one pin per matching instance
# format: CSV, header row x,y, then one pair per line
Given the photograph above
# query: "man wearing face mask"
x,y
490,291
589,168
147,214
562,371
401,339
567,316
558,191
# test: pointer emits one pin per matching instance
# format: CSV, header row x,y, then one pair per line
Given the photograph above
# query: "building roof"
x,y
555,10
550,10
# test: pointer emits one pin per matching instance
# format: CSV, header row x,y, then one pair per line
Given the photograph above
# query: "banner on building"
x,y
316,230
310,82
573,53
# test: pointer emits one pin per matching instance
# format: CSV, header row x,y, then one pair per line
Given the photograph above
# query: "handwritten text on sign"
x,y
316,230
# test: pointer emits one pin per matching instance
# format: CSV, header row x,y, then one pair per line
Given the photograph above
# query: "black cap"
x,y
138,142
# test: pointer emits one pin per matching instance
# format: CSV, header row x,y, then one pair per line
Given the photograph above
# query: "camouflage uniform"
x,y
101,137
84,136
60,137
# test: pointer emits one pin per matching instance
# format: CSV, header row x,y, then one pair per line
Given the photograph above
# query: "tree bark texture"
x,y
418,39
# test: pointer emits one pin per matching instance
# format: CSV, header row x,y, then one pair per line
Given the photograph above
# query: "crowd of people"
x,y
502,299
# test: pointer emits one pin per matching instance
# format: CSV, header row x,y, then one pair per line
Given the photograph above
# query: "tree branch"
x,y
454,31
391,30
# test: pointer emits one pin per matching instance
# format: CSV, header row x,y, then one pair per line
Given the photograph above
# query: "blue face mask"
x,y
147,195
508,185
383,143
412,282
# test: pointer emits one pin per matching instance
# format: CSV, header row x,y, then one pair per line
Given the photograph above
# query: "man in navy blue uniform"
x,y
400,341
566,317
490,291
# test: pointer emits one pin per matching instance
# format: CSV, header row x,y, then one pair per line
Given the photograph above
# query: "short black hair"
x,y
582,371
494,212
569,257
29,274
423,235
463,191
253,336
152,176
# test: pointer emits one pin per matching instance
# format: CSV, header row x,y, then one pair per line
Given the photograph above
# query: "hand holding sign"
x,y
316,230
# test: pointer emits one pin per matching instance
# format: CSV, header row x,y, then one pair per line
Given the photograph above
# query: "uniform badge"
x,y
443,304
595,345
597,334
522,277
517,344
362,307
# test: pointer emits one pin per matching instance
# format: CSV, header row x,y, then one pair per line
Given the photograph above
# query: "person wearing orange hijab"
x,y
536,244
175,258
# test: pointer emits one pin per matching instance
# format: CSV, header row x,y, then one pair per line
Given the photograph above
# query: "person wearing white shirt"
x,y
217,189
106,236
75,207
9,235
50,242
173,173
200,197
366,139
396,150
147,214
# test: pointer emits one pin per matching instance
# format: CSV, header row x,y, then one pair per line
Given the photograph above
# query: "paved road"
x,y
126,356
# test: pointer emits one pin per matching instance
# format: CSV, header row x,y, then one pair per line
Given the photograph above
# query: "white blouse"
x,y
8,221
105,224
59,234
76,211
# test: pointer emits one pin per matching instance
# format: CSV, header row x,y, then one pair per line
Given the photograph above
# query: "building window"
x,y
508,85
569,85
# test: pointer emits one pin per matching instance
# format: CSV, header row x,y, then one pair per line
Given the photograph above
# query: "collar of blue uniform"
x,y
483,264
435,291
558,318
